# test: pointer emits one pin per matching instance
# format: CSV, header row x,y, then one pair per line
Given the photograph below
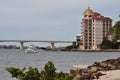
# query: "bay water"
x,y
63,60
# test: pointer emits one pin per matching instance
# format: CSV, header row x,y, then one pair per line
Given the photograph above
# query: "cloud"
x,y
49,19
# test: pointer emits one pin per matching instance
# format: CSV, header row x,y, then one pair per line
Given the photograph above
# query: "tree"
x,y
115,33
15,72
31,74
48,73
73,46
117,30
22,74
107,44
63,76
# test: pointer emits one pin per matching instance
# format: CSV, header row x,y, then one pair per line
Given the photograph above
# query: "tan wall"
x,y
95,47
81,47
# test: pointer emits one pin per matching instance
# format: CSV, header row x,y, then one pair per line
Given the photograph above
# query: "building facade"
x,y
94,28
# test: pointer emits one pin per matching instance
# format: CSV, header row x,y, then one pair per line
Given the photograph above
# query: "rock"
x,y
77,77
93,69
72,71
110,64
75,71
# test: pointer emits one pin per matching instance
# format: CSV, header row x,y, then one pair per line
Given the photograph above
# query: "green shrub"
x,y
48,73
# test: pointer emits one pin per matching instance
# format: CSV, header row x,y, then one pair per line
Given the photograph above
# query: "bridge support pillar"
x,y
22,45
52,45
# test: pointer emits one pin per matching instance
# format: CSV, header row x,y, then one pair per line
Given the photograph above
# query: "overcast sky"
x,y
49,19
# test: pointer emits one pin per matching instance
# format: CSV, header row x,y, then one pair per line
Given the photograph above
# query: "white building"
x,y
94,28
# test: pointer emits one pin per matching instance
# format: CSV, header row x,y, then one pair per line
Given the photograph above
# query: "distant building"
x,y
78,39
94,28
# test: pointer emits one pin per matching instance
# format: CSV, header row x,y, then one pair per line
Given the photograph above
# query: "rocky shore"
x,y
98,70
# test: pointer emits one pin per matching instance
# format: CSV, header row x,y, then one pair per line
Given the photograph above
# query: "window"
x,y
90,16
90,24
85,16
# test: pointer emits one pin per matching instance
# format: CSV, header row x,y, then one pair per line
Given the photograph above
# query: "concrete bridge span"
x,y
47,41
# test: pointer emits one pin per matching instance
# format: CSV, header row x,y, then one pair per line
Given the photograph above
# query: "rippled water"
x,y
62,60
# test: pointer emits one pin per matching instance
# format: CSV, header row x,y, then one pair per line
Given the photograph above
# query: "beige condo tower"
x,y
94,28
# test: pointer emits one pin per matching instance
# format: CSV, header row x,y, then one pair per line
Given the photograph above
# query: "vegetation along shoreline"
x,y
94,71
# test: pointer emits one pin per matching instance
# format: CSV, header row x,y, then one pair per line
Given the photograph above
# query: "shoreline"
x,y
110,75
104,70
77,50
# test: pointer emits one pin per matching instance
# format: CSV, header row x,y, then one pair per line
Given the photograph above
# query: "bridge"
x,y
47,41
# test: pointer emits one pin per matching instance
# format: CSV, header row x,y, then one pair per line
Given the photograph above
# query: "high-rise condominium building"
x,y
95,27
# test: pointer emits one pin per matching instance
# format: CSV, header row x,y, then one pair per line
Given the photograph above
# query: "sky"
x,y
49,19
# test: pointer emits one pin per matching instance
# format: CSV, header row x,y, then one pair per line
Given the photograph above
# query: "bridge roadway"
x,y
48,41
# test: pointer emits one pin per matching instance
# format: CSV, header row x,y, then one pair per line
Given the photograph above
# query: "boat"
x,y
31,49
